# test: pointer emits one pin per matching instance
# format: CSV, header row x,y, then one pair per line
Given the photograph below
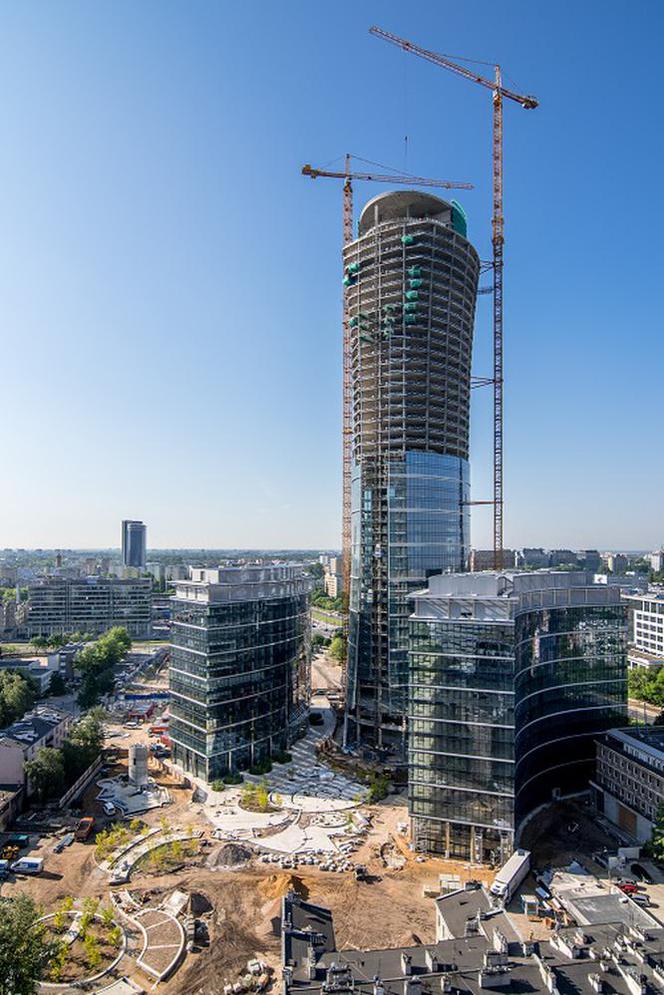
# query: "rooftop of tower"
x,y
404,204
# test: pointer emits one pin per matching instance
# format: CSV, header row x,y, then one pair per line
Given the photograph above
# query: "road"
x,y
325,673
641,711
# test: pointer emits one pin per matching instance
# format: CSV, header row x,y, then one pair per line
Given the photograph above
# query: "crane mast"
x,y
497,238
347,409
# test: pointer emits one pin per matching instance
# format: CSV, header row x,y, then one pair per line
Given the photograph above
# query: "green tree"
x,y
46,772
655,847
57,963
115,936
57,685
92,952
338,649
17,696
378,788
83,745
25,949
95,662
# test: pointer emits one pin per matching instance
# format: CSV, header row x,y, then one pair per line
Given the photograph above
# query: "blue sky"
x,y
170,283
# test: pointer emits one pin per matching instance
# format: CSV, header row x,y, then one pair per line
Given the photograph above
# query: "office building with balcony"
x,y
91,605
645,628
512,676
239,670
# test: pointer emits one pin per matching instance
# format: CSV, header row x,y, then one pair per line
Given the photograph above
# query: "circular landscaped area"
x,y
87,942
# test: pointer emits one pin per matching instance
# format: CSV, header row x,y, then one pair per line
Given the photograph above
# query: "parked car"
x,y
628,888
109,808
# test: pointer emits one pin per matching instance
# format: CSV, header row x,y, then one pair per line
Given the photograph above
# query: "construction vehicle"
x,y
84,829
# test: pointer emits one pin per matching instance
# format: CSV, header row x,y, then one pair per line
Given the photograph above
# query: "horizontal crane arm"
x,y
440,60
419,181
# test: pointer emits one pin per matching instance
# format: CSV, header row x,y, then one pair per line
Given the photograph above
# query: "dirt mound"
x,y
278,885
200,903
232,855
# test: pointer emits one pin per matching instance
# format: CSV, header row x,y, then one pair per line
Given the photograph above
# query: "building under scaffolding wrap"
x,y
410,281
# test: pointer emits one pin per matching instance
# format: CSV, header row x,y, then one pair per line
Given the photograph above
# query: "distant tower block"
x,y
138,765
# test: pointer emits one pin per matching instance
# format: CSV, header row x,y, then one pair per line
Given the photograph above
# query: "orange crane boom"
x,y
418,181
347,430
529,103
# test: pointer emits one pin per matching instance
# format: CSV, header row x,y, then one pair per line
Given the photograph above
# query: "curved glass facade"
x,y
570,683
509,686
427,529
239,678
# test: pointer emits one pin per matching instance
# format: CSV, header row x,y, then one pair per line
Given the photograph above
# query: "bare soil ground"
x,y
564,832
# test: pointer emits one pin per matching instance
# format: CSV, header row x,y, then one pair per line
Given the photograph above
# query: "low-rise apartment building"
x,y
39,668
628,787
91,605
19,742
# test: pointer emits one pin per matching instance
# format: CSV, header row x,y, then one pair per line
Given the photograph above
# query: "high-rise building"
x,y
133,543
411,283
333,578
656,560
239,670
513,675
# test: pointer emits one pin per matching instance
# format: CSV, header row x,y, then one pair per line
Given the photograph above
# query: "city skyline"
x,y
160,146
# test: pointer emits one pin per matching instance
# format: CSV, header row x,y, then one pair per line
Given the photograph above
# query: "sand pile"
x,y
278,885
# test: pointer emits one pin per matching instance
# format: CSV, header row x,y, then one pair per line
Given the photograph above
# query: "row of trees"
x,y
52,771
95,663
58,639
320,599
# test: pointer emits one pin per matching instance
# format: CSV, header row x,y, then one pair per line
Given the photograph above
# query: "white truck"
x,y
510,876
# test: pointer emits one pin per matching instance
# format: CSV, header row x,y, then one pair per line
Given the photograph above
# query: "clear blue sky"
x,y
170,283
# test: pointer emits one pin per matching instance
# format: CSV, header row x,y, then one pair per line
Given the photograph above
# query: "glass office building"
x,y
411,284
134,541
512,676
239,671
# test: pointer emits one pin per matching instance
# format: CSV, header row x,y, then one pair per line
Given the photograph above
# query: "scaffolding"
x,y
410,284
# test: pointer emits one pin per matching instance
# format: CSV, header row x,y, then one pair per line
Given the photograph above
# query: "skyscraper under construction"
x,y
410,280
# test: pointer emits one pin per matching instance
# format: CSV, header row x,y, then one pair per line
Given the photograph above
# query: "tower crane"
x,y
348,176
498,92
